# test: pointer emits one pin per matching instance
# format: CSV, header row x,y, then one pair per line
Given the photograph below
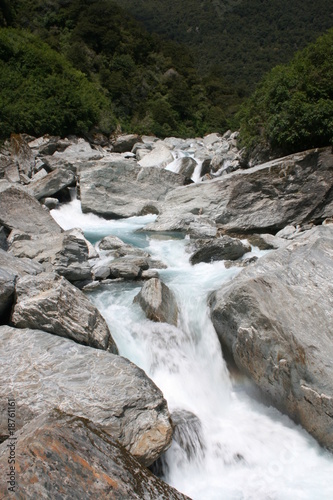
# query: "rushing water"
x,y
230,444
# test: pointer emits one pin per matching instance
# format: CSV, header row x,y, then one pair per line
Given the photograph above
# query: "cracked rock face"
x,y
53,372
95,465
50,303
276,318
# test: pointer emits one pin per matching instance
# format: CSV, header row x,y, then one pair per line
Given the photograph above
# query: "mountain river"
x,y
230,444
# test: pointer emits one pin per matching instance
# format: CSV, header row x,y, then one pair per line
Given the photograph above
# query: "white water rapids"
x,y
241,449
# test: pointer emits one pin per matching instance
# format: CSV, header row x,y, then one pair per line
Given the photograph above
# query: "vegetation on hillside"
x,y
150,86
292,108
42,93
244,38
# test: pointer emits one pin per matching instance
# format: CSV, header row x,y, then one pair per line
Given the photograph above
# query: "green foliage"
x,y
41,92
244,37
152,85
292,109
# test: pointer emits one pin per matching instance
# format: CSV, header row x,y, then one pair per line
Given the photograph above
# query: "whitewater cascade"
x,y
229,444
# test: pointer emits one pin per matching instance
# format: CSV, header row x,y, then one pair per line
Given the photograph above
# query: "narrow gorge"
x,y
166,319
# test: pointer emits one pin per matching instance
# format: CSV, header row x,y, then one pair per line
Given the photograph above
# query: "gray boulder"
x,y
124,143
96,385
66,253
223,248
158,302
19,210
265,198
49,302
128,268
19,267
276,319
121,189
96,464
110,243
159,157
52,183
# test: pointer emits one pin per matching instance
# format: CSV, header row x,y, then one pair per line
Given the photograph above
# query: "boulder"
x,y
223,248
22,155
66,253
158,302
264,198
51,183
50,203
50,303
121,189
19,210
276,319
110,243
19,267
124,143
78,151
127,268
89,383
62,455
159,157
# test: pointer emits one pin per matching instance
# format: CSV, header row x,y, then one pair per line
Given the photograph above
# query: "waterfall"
x,y
228,442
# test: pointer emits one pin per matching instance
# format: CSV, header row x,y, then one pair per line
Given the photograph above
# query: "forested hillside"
x,y
151,86
245,37
292,108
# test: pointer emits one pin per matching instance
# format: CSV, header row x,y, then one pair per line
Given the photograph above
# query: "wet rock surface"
x,y
223,248
158,302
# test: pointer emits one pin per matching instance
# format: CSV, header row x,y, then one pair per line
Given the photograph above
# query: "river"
x,y
231,444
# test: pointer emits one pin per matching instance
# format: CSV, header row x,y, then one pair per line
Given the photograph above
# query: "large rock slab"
x,y
49,302
53,372
52,183
19,267
158,302
223,248
159,157
19,210
66,253
121,189
64,456
276,318
264,198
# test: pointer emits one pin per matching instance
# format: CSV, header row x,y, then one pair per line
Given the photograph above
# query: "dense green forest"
x,y
71,66
244,38
150,85
292,108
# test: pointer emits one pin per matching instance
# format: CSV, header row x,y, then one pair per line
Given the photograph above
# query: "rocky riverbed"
x,y
60,361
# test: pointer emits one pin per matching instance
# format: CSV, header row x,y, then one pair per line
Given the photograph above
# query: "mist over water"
x,y
229,444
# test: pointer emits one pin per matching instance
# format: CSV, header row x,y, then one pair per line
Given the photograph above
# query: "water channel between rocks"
x,y
236,447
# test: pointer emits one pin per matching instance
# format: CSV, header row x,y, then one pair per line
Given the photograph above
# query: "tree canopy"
x,y
292,108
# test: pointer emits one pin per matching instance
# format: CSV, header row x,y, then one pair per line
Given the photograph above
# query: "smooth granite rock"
x,y
121,189
19,210
276,318
52,183
53,372
265,198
